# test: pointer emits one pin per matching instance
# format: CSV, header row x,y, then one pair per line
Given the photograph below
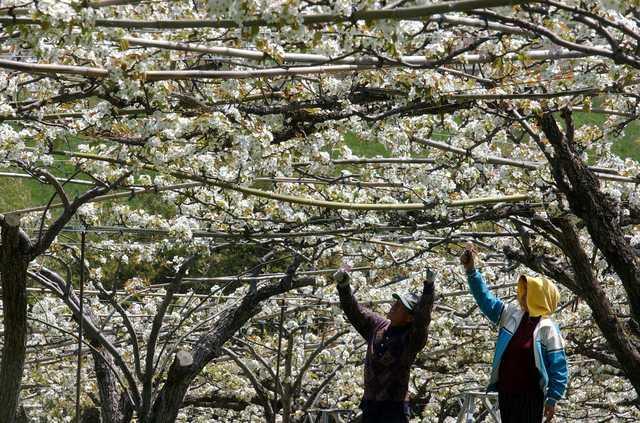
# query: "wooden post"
x,y
80,326
13,277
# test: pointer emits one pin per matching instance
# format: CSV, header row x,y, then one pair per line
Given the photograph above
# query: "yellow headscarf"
x,y
542,295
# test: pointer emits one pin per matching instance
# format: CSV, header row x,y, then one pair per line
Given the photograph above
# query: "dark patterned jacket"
x,y
390,350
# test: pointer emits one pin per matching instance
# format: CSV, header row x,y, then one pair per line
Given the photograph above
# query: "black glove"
x,y
342,276
430,276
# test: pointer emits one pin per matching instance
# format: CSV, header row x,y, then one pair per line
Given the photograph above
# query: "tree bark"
x,y
597,210
13,275
115,406
603,313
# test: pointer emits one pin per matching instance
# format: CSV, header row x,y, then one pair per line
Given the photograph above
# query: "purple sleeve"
x,y
422,318
363,319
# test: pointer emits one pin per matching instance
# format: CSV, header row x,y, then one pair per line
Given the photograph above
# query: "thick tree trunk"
x,y
13,275
185,368
588,202
603,313
181,373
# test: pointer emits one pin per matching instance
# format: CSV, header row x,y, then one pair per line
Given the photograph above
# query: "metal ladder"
x,y
329,415
468,406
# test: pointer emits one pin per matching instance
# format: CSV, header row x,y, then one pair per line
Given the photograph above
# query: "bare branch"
x,y
155,330
56,185
323,345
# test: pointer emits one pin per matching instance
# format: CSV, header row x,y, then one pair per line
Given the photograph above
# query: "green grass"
x,y
627,146
20,193
364,148
15,194
34,193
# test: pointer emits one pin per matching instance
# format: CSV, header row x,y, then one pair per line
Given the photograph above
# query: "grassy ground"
x,y
18,193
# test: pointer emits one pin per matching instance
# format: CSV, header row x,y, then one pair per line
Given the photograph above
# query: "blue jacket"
x,y
550,358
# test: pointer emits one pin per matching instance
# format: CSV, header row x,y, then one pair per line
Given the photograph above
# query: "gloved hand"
x,y
342,276
430,276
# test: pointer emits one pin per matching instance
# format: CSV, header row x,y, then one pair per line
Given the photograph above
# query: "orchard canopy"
x,y
179,179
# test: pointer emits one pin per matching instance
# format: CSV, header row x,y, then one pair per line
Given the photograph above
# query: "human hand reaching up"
x,y
468,257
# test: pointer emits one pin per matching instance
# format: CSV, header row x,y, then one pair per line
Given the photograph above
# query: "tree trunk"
x,y
13,275
603,313
115,407
187,366
598,211
169,402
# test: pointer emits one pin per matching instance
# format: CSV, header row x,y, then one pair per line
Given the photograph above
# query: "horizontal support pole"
x,y
350,65
27,176
288,57
401,13
282,235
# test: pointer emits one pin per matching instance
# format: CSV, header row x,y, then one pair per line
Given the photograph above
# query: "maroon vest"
x,y
518,372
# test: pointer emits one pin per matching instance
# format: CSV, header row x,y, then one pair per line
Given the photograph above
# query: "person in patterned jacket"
x,y
392,345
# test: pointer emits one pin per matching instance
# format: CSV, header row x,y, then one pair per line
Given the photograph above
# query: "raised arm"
x,y
422,314
489,304
362,319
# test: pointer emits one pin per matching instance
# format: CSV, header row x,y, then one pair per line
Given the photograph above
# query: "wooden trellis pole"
x,y
401,13
527,55
83,238
356,64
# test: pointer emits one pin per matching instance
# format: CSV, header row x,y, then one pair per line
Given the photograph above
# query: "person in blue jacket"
x,y
529,369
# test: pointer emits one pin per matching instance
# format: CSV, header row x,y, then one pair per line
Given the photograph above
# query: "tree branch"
x,y
147,388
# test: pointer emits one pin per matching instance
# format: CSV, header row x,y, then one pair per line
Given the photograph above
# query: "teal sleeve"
x,y
558,372
489,304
